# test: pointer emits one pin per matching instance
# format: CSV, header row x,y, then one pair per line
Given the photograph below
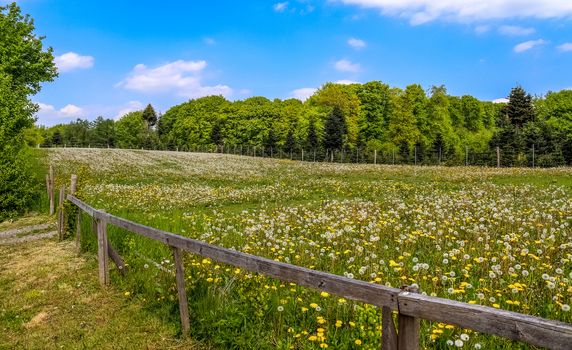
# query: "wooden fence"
x,y
411,306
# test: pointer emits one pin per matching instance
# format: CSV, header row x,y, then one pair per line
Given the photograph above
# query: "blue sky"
x,y
117,56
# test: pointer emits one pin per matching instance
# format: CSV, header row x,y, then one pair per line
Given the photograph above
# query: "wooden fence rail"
x,y
411,306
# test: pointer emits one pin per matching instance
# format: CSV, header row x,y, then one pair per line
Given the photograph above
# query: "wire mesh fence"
x,y
498,157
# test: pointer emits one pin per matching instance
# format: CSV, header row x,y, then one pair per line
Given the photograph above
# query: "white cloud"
x,y
72,111
356,43
481,29
516,30
347,82
423,11
72,61
527,45
566,47
302,94
501,100
45,108
49,115
280,6
182,77
347,66
130,106
209,41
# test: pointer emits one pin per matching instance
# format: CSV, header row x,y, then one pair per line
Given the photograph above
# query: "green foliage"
x,y
334,130
519,108
375,110
131,130
149,116
432,125
290,144
23,66
402,128
216,135
18,186
22,56
270,141
312,141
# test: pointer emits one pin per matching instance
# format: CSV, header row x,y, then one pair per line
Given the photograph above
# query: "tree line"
x,y
24,64
372,116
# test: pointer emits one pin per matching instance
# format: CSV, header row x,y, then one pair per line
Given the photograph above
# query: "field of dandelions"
x,y
495,237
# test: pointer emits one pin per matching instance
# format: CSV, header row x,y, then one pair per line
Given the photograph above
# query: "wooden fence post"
x,y
375,157
51,189
498,157
73,185
61,228
73,190
48,185
183,303
78,232
388,332
102,251
408,335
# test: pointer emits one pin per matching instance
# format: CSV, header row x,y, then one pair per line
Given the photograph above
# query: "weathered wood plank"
x,y
529,329
102,251
86,208
116,258
183,302
348,288
388,332
51,189
61,228
73,185
78,232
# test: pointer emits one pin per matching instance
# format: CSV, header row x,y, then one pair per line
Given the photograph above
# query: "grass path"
x,y
51,299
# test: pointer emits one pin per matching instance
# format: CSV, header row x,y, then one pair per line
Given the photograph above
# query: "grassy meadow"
x,y
495,237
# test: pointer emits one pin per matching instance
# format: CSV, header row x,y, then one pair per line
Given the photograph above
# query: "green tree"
x,y
402,129
344,97
270,142
519,108
149,116
290,143
375,109
131,130
312,141
473,113
216,134
334,130
102,132
24,65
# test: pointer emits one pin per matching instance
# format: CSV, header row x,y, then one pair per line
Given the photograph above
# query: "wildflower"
x,y
324,294
357,342
280,308
565,307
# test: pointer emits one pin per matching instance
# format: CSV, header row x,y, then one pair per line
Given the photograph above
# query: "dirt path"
x,y
51,299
